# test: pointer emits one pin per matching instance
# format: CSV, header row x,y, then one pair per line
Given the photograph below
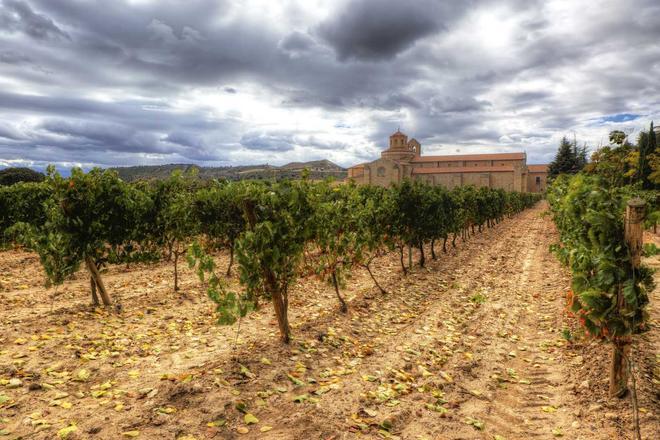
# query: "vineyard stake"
x,y
633,220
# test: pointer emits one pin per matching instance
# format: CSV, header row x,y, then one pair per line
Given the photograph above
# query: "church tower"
x,y
400,149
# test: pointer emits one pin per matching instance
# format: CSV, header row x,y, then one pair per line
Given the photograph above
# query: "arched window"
x,y
381,172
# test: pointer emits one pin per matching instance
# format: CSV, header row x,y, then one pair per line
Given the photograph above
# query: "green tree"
x,y
12,175
337,243
23,202
87,215
375,226
220,214
617,137
646,145
570,158
270,251
175,223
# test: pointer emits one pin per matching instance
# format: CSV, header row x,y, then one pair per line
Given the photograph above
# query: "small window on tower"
x,y
381,172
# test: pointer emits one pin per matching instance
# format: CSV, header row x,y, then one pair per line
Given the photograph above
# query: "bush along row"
x,y
276,231
609,287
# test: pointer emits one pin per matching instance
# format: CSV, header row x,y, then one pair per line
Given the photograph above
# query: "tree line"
x,y
275,232
619,163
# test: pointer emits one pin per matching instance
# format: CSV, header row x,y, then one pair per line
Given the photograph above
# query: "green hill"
x,y
319,169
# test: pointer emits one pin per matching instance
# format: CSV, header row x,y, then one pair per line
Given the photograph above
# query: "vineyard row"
x,y
276,231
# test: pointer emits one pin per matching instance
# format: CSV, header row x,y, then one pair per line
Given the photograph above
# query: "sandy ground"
x,y
469,347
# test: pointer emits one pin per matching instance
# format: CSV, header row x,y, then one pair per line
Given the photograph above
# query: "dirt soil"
x,y
474,346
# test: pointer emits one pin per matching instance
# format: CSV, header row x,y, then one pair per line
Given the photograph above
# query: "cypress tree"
x,y
647,146
566,160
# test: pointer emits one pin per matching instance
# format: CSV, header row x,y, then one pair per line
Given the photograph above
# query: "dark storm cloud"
x,y
297,42
11,57
456,104
379,29
184,139
18,16
265,141
130,82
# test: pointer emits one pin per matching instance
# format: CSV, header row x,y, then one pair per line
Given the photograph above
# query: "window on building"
x,y
381,172
538,180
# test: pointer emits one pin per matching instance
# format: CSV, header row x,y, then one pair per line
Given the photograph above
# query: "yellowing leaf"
x,y
301,398
446,377
250,419
478,424
424,371
131,433
242,430
82,375
65,432
549,409
133,374
265,428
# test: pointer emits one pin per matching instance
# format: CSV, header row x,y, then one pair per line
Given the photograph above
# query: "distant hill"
x,y
319,169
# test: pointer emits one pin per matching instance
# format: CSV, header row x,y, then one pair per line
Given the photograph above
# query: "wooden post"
x,y
633,230
633,224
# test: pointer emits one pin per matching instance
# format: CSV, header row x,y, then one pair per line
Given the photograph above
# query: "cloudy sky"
x,y
227,82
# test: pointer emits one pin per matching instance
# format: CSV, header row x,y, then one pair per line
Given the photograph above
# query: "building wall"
x,y
395,165
532,186
502,180
382,172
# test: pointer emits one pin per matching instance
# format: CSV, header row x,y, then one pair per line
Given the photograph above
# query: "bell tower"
x,y
400,149
398,141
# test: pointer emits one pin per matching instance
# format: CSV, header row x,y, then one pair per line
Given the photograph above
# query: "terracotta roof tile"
x,y
537,168
449,170
454,157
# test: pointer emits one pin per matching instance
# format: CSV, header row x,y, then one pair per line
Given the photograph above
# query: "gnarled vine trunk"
x,y
176,271
343,306
231,259
96,275
92,285
383,291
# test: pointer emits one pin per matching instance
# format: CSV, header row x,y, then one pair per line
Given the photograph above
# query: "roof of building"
x,y
537,168
450,170
456,157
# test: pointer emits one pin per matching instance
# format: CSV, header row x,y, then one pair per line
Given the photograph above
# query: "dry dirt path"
x,y
469,347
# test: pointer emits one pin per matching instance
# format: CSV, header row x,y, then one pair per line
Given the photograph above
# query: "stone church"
x,y
403,159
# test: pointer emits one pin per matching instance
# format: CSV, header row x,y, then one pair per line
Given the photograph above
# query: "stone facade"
x,y
538,178
403,159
